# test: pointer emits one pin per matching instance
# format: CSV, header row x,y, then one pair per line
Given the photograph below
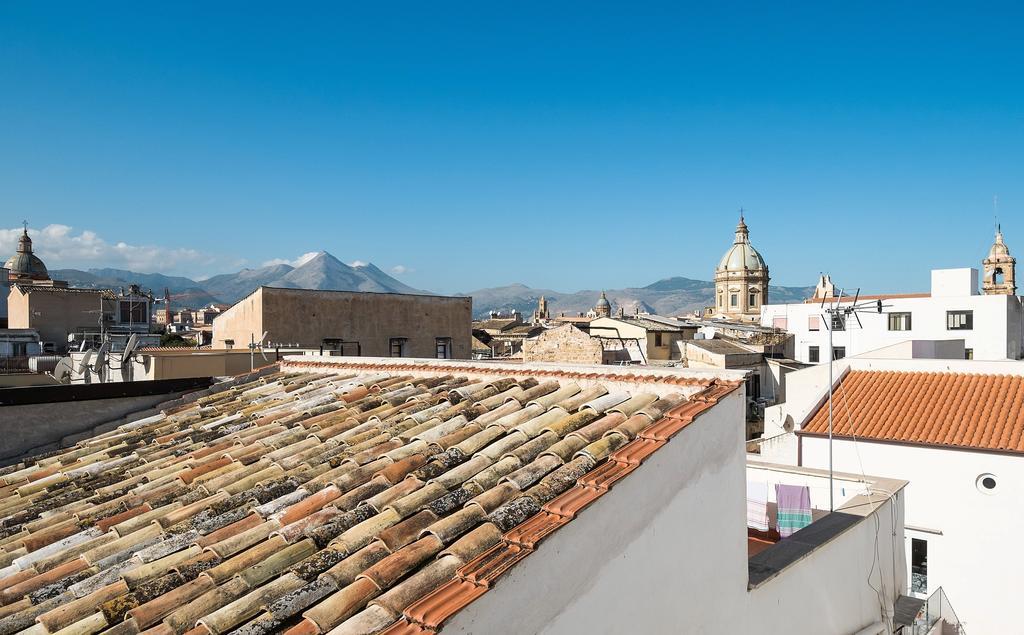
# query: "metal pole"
x,y
831,361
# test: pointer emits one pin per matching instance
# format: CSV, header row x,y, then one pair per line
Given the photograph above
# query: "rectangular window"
x,y
968,353
443,346
838,322
899,321
397,346
814,323
734,299
752,299
959,320
780,323
657,339
918,566
719,300
838,352
133,312
813,355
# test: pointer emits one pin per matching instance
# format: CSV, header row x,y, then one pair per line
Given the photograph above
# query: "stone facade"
x,y
998,269
565,344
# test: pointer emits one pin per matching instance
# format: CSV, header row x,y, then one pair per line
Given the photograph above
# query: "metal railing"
x,y
9,365
937,608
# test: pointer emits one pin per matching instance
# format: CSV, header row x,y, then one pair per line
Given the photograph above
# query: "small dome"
x,y
999,248
24,264
602,302
742,254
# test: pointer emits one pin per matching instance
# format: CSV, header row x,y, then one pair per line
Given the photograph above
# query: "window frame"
x,y
896,318
401,343
967,315
446,343
838,353
814,354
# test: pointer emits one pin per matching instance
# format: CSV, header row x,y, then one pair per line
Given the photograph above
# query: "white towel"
x,y
757,505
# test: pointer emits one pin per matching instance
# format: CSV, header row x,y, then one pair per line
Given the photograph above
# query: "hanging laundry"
x,y
757,505
794,508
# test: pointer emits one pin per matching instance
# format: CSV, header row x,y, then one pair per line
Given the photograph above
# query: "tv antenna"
x,y
838,314
253,345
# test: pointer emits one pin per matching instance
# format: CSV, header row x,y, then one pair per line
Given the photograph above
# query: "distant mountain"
x,y
323,271
670,296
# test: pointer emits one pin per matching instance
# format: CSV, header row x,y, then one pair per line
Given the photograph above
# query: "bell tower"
x,y
999,269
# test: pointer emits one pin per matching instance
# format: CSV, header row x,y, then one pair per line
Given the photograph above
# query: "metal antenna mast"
x,y
836,310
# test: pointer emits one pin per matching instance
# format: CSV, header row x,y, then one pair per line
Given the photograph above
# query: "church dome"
x,y
24,264
603,303
742,254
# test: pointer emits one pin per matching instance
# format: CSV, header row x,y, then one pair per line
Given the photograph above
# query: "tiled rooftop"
x,y
358,499
951,409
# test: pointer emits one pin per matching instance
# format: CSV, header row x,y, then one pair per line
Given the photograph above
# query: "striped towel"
x,y
794,513
757,505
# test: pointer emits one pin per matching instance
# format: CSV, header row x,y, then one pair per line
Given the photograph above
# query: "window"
x,y
734,299
753,385
968,353
813,354
752,299
133,312
780,323
397,346
719,300
229,344
657,339
838,352
814,323
838,322
959,320
443,346
918,565
899,321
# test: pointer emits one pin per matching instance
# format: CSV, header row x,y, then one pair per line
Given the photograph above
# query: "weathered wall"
x,y
304,318
565,344
35,428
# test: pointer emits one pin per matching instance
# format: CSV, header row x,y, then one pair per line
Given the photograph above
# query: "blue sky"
x,y
582,145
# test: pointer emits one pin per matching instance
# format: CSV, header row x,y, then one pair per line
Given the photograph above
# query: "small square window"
x,y
657,339
397,346
443,347
813,354
734,299
838,352
814,323
838,322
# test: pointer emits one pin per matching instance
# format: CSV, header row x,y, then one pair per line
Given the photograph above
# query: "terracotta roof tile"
x,y
979,411
355,499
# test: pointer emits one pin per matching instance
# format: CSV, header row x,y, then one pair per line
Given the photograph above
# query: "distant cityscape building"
x,y
998,269
603,308
741,280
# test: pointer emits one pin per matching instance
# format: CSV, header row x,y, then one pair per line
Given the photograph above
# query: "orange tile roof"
x,y
980,411
357,499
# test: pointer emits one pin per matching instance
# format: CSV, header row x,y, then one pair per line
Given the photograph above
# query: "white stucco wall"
x,y
971,535
666,552
996,334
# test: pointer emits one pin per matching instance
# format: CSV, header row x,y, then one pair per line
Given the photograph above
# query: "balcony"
x,y
932,616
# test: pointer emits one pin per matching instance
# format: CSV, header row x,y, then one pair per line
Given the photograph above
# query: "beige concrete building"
x,y
349,322
56,312
741,280
658,338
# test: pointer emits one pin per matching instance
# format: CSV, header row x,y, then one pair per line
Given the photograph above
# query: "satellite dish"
x,y
129,348
101,357
84,363
62,371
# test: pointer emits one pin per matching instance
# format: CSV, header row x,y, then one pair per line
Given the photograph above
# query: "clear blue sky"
x,y
562,145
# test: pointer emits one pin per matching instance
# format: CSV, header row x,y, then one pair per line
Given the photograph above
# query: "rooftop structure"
x,y
954,430
402,496
990,326
999,268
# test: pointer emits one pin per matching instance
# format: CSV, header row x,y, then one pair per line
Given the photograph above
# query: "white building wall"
x,y
666,552
996,334
972,536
